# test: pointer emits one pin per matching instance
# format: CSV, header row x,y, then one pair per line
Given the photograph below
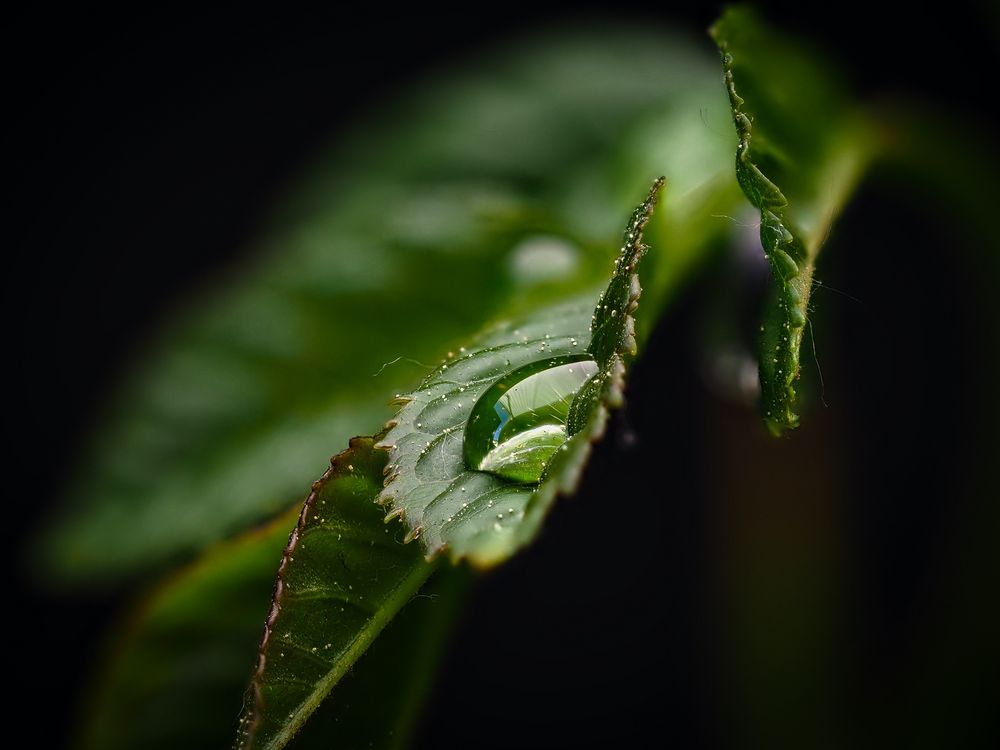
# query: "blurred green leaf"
x,y
470,200
178,667
802,150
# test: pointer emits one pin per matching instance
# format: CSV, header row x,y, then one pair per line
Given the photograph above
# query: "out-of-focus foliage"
x,y
179,665
470,200
479,200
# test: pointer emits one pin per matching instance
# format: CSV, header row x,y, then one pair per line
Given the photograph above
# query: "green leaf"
x,y
613,344
472,200
612,325
476,514
802,149
343,576
431,234
180,663
378,703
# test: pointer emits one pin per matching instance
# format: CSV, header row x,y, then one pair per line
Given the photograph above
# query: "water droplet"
x,y
520,421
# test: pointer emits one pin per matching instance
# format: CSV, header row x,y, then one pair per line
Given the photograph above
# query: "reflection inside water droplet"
x,y
518,424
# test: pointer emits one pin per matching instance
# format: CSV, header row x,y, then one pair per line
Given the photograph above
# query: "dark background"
x,y
143,149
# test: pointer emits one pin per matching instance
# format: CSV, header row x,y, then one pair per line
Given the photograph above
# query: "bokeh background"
x,y
836,587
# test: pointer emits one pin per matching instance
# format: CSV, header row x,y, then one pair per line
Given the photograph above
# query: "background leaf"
x,y
206,410
178,666
467,201
802,150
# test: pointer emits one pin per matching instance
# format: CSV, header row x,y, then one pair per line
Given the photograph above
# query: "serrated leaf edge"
x,y
791,256
250,719
578,446
794,279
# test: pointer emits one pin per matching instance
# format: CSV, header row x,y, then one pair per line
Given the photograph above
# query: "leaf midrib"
x,y
388,608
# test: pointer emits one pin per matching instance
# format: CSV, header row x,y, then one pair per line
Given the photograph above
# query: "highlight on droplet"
x,y
518,423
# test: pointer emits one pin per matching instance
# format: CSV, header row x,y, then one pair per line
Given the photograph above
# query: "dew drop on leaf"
x,y
518,423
